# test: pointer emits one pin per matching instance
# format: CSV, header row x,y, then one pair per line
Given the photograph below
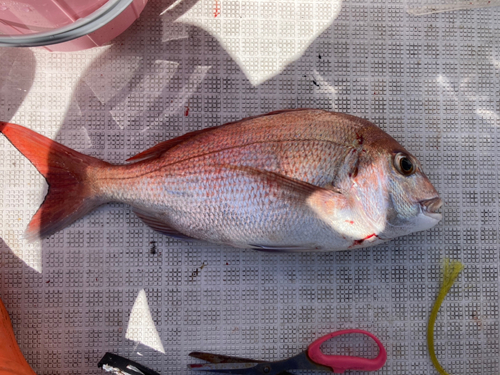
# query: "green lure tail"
x,y
451,270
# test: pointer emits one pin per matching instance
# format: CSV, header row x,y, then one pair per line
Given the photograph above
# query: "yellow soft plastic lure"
x,y
451,270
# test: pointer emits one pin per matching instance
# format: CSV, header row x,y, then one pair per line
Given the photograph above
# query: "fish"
x,y
292,180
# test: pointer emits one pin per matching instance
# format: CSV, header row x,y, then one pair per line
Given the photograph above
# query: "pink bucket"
x,y
65,25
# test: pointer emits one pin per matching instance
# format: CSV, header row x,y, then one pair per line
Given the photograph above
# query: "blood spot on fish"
x,y
349,221
360,138
359,242
355,173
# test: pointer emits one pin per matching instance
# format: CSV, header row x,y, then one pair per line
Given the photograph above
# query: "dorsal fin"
x,y
157,150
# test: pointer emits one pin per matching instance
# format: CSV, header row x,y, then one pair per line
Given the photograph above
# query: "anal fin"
x,y
156,224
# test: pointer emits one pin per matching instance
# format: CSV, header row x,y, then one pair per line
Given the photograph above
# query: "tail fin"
x,y
71,194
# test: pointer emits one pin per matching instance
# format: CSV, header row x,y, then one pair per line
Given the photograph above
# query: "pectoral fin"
x,y
328,203
340,212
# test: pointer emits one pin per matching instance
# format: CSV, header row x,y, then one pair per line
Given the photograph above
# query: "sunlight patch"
x,y
141,327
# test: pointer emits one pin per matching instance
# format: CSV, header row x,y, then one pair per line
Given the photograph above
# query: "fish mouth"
x,y
431,206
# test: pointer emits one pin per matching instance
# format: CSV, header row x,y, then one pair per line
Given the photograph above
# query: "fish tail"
x,y
71,193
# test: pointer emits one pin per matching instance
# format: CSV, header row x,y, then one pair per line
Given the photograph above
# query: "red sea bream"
x,y
295,180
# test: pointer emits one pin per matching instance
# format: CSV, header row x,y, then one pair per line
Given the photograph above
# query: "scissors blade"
x,y
299,362
226,368
219,358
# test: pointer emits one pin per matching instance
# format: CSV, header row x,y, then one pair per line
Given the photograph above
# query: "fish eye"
x,y
404,164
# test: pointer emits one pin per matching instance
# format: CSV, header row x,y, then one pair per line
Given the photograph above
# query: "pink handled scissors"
x,y
310,359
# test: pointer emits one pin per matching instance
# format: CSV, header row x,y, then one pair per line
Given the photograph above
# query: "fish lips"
x,y
431,206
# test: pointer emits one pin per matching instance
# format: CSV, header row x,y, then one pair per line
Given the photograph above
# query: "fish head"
x,y
396,196
412,202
